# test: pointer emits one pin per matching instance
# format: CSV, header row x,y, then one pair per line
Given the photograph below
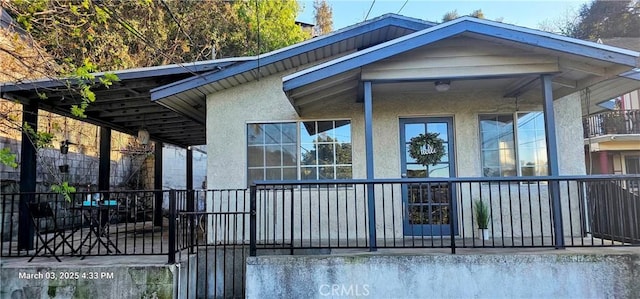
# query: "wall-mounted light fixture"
x,y
443,85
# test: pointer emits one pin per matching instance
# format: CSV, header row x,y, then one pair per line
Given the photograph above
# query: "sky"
x,y
517,12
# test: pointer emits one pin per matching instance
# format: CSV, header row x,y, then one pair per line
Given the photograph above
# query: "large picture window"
x,y
308,150
513,144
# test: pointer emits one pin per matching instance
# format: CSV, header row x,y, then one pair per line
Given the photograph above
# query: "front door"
x,y
426,205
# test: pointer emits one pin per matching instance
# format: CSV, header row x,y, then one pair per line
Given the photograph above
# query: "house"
x,y
504,100
386,134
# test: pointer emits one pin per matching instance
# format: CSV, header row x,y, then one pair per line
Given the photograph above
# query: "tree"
x,y
605,19
477,14
73,39
451,15
598,19
115,34
323,17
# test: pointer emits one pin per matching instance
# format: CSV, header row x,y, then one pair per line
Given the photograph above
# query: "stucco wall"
x,y
229,112
264,101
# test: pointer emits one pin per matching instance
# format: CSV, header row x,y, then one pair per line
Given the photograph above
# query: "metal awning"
x,y
126,106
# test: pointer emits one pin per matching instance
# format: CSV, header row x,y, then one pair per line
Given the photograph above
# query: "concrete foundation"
x,y
556,274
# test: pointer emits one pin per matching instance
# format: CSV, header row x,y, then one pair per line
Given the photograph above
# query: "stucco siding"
x,y
264,101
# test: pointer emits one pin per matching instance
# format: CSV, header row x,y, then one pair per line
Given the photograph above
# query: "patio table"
x,y
99,218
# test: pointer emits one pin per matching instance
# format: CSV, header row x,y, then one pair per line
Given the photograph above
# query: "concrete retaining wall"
x,y
554,275
57,280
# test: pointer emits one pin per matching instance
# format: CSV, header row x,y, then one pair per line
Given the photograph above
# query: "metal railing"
x,y
143,222
612,122
442,213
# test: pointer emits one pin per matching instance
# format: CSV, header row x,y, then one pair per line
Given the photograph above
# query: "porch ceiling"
x,y
126,106
490,56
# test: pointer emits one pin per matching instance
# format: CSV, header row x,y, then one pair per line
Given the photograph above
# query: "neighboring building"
x,y
612,126
307,27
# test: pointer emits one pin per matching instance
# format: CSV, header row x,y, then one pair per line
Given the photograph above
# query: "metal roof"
x,y
126,106
188,94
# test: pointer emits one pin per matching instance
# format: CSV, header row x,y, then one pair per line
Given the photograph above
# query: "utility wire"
x,y
370,7
405,3
138,35
176,20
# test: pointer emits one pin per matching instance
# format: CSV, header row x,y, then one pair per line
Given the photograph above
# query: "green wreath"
x,y
427,149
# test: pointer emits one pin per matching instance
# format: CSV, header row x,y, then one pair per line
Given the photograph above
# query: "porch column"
x,y
190,194
27,178
552,159
604,162
157,184
368,135
104,166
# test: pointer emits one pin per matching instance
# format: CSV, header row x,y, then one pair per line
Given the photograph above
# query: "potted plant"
x,y
482,219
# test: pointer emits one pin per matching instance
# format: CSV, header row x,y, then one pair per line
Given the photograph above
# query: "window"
x,y
507,138
308,150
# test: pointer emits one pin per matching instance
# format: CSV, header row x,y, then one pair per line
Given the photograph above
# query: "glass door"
x,y
426,205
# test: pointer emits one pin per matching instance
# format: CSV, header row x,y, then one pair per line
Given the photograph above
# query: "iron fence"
x,y
522,212
136,222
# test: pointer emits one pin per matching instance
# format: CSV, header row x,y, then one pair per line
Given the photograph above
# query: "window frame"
x,y
298,143
516,140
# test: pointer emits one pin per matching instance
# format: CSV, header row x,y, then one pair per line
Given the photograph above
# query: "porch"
x,y
209,244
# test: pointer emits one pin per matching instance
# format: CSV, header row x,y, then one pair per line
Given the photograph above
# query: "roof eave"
x,y
284,53
449,29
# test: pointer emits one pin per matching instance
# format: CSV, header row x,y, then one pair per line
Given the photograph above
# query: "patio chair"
x,y
40,212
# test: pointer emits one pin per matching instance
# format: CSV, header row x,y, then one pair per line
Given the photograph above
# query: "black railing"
x,y
214,241
111,223
612,122
442,213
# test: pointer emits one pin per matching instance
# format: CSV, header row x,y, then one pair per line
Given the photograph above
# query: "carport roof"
x,y
126,105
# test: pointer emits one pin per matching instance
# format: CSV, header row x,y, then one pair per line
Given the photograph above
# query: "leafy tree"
x,y
604,19
323,17
116,34
269,25
74,38
598,19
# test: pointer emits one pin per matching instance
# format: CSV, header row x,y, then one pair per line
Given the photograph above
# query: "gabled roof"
x,y
471,25
190,91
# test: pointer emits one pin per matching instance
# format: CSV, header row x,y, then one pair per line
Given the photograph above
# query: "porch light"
x,y
143,136
443,85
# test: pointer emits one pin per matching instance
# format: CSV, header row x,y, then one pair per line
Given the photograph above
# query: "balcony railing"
x,y
442,213
612,122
